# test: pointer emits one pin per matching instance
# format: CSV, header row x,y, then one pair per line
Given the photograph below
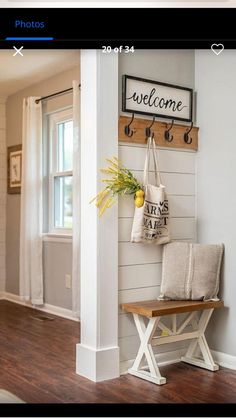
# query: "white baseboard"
x,y
59,311
224,360
47,308
97,364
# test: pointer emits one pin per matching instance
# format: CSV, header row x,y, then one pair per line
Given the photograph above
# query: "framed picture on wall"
x,y
14,169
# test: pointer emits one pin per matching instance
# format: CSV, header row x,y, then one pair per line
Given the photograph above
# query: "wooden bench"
x,y
152,330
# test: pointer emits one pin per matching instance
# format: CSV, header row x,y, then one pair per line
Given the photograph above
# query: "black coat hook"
x,y
187,138
129,132
148,131
168,136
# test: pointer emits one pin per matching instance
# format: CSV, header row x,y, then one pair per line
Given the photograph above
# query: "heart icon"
x,y
217,48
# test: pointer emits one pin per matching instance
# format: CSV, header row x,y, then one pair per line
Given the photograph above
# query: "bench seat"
x,y
154,308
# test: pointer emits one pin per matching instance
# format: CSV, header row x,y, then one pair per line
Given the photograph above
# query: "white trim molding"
x,y
97,364
225,360
47,308
56,238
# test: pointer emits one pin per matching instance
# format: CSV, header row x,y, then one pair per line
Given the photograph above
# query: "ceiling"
x,y
17,73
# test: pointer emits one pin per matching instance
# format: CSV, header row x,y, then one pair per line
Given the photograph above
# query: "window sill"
x,y
57,238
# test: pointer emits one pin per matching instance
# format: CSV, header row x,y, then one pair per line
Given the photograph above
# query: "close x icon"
x,y
18,51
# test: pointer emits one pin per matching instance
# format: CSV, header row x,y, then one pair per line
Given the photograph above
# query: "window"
x,y
61,172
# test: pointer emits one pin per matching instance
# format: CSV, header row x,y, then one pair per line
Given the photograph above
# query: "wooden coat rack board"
x,y
140,124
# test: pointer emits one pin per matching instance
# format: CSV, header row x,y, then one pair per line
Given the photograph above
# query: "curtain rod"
x,y
55,94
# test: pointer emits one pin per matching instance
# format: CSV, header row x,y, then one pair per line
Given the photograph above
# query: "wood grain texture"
x,y
155,308
159,128
38,365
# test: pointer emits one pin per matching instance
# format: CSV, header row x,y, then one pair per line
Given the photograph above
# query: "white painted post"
x,y
97,356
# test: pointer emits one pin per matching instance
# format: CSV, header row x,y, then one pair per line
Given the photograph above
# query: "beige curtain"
x,y
31,266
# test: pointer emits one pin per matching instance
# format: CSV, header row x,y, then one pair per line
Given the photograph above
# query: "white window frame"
x,y
55,119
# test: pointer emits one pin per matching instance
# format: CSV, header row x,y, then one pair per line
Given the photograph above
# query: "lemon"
x,y
139,202
139,193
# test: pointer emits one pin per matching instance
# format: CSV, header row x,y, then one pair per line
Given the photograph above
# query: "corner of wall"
x,y
3,192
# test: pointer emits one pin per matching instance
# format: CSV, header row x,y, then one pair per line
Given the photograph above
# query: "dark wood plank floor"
x,y
37,363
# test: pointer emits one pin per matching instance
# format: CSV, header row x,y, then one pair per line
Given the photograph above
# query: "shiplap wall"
x,y
140,265
3,187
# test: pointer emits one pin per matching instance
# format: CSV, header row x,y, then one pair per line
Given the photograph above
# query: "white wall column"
x,y
98,353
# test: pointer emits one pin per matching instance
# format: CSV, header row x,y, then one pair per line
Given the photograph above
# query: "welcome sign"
x,y
150,97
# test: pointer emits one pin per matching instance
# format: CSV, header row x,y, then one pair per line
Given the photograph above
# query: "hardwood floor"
x,y
37,361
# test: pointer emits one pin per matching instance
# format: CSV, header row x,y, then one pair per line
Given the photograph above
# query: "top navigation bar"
x,y
117,28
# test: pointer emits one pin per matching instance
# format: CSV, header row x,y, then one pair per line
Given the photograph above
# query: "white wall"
x,y
216,172
3,187
140,265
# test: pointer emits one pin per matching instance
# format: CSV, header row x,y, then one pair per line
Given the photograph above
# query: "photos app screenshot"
x,y
117,207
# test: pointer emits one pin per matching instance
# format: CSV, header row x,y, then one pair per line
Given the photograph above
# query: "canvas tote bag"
x,y
151,221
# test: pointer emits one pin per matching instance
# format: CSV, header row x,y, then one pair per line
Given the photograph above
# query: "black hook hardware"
x,y
168,136
187,139
148,131
129,132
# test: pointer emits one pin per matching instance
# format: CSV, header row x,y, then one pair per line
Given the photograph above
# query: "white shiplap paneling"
x,y
181,228
180,206
126,325
138,294
169,160
138,253
175,183
139,264
139,276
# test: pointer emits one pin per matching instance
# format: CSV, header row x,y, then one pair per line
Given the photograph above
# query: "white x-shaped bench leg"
x,y
146,334
207,362
148,341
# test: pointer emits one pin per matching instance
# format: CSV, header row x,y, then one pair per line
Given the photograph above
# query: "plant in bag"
x,y
121,182
151,219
